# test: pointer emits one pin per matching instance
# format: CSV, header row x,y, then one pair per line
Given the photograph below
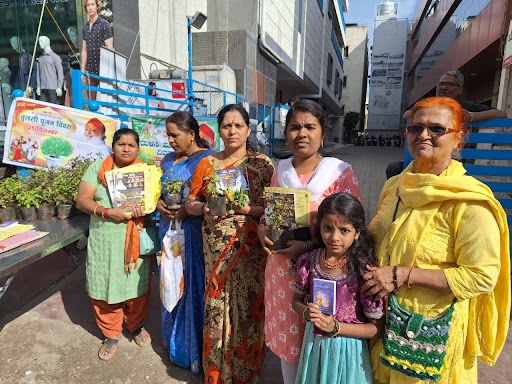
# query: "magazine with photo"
x,y
287,215
324,295
135,185
233,178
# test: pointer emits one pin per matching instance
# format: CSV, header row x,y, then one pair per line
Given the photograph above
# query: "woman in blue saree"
x,y
182,328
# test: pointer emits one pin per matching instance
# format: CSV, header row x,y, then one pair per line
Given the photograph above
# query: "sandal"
x,y
108,348
141,337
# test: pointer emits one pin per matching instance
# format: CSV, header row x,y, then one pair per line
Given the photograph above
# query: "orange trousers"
x,y
110,317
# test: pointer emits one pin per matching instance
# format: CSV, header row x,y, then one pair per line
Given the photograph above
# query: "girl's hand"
x,y
378,282
321,321
264,240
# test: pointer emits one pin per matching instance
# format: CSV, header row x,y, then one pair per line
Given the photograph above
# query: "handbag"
x,y
149,241
413,344
172,279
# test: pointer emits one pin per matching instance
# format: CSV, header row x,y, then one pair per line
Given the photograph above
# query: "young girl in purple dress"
x,y
334,349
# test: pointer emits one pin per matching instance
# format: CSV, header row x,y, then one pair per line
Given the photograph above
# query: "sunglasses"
x,y
446,84
434,130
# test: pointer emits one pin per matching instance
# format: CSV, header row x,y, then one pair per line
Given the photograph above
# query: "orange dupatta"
x,y
135,224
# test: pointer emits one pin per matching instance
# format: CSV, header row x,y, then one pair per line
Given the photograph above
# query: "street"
x,y
53,338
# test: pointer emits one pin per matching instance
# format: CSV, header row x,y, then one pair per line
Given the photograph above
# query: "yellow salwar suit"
x,y
450,222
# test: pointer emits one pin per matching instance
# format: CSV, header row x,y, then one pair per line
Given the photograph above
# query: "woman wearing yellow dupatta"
x,y
117,280
443,247
234,342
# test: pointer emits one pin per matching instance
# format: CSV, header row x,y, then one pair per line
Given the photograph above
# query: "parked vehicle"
x,y
359,141
368,140
397,140
374,141
382,141
388,141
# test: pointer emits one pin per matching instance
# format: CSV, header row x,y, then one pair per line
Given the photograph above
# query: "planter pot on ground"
x,y
7,214
28,214
45,211
63,211
217,205
279,237
17,211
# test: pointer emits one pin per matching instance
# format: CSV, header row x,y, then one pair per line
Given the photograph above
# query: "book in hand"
x,y
287,213
324,295
137,184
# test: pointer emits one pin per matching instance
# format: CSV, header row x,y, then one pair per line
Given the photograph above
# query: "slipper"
x,y
108,348
141,337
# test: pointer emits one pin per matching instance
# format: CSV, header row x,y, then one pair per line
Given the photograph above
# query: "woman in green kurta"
x,y
117,280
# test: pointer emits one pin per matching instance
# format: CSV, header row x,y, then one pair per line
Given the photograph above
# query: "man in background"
x,y
451,85
96,32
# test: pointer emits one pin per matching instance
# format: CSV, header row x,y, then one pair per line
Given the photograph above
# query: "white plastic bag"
x,y
172,280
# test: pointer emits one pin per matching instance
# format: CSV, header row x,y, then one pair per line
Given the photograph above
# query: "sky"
x,y
363,12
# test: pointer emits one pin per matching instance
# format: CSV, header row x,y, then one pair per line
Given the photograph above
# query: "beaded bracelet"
x,y
335,330
95,208
305,314
395,278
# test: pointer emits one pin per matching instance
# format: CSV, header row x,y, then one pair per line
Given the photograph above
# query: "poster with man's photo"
x,y
42,134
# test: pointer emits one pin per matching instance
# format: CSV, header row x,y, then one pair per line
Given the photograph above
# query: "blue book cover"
x,y
324,295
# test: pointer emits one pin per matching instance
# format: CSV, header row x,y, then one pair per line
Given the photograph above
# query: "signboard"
x,y
42,134
154,144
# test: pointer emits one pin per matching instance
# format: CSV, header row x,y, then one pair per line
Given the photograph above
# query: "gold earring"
x,y
286,143
322,145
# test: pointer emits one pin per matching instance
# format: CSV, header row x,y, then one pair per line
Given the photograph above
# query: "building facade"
x,y
387,75
467,35
277,49
355,74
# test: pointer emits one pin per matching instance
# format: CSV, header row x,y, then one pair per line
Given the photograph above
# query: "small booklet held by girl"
x,y
324,295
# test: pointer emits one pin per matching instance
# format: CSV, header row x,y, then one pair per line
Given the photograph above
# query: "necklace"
x,y
318,159
333,266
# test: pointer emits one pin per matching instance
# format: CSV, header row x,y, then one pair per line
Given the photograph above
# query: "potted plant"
x,y
42,180
236,196
9,188
28,202
216,194
65,185
172,191
278,230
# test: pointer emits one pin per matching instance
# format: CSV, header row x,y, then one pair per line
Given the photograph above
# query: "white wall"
x,y
357,42
165,21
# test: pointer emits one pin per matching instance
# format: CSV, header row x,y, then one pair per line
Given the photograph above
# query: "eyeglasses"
x,y
434,130
446,84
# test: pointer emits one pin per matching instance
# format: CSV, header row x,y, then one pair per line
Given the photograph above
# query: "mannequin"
x,y
19,72
5,76
50,73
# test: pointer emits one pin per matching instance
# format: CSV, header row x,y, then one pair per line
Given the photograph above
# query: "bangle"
x,y
103,213
305,246
409,278
106,213
305,314
335,330
95,208
395,278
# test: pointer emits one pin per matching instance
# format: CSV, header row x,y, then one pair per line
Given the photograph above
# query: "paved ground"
x,y
49,336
